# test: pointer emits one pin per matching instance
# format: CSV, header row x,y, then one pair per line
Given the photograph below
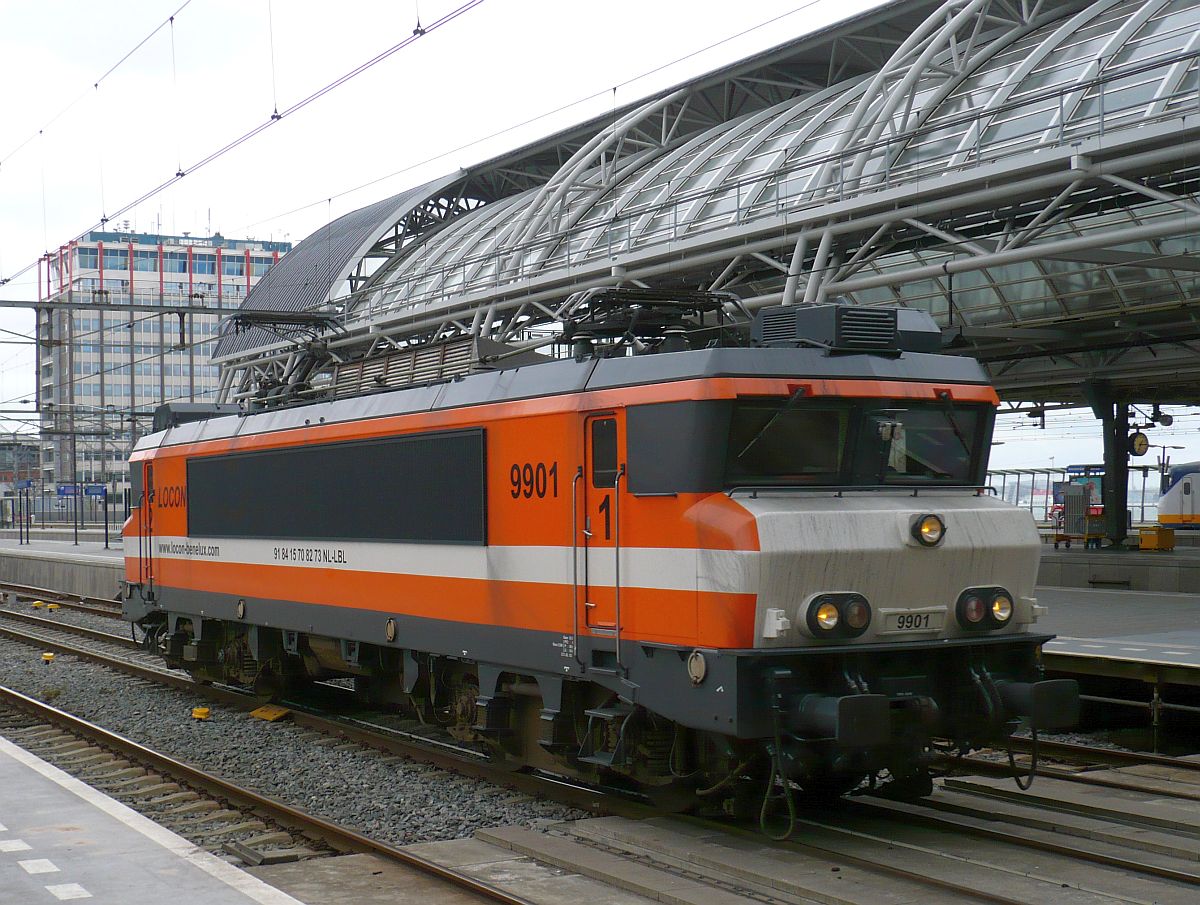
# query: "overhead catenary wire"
x,y
111,69
115,369
175,92
538,117
261,127
271,41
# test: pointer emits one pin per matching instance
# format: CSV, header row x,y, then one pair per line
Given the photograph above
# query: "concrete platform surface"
x,y
1130,626
361,880
538,880
62,840
84,552
1104,613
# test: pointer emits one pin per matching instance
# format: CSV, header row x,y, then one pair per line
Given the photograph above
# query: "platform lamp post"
x,y
74,481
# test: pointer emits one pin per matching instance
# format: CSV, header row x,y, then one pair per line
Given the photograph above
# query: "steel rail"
x,y
559,789
97,605
909,815
69,627
581,797
338,837
980,765
101,611
814,848
1113,755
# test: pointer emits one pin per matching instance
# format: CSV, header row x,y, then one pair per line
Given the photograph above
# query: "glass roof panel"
x,y
767,162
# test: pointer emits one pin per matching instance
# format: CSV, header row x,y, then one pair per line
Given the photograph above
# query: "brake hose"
x,y
771,795
1024,785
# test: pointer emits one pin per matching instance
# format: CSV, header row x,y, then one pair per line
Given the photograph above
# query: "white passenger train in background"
x,y
1177,508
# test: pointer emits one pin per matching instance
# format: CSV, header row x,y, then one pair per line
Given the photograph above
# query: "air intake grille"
x,y
777,325
866,328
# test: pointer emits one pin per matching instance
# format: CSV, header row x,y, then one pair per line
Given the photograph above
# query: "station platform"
x,y
62,840
1175,570
1149,636
87,569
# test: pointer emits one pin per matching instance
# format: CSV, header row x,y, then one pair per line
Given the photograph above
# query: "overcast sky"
x,y
429,109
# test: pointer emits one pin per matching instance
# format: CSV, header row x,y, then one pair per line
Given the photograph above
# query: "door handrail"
x,y
148,492
575,563
617,557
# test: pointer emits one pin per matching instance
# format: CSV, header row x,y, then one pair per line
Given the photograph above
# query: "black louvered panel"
x,y
866,328
778,325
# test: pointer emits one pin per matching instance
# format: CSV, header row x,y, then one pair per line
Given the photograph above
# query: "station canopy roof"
x,y
1023,170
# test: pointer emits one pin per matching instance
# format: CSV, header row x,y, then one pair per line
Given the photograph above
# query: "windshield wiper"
x,y
949,405
786,407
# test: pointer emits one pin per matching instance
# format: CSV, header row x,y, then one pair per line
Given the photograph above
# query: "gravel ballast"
x,y
386,797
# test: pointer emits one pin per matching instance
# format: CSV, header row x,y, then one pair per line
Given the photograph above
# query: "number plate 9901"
x,y
914,622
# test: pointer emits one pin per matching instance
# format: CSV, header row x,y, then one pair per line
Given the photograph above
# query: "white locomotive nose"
x,y
823,549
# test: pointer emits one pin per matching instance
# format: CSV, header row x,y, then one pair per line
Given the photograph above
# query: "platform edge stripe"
x,y
247,884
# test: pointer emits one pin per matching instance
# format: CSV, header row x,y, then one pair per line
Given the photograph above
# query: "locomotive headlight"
x,y
1002,608
972,610
928,530
827,616
857,613
838,615
981,609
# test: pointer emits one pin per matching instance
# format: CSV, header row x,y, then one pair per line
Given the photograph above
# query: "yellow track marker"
x,y
270,712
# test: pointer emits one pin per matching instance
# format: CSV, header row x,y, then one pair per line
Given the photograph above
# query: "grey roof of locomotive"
x,y
569,376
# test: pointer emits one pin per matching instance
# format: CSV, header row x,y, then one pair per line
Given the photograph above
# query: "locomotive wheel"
x,y
910,787
673,798
822,788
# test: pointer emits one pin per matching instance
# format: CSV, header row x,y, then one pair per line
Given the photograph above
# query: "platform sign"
x,y
1084,469
66,490
24,484
95,490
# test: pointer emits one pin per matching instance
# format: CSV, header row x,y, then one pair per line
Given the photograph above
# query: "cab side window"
x,y
604,452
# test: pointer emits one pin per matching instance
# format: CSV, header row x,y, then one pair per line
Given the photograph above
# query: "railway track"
x,y
858,834
418,745
93,606
148,778
1084,765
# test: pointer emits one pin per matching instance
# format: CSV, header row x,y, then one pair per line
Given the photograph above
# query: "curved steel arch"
x,y
945,158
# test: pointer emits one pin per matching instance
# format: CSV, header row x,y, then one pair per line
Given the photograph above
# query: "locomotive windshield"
x,y
855,442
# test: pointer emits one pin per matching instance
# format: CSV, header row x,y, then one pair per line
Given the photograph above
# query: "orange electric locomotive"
x,y
680,558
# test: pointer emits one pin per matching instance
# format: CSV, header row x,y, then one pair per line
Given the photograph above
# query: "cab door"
x,y
598,530
146,534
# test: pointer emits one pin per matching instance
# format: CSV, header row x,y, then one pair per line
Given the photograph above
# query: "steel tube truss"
x,y
1014,167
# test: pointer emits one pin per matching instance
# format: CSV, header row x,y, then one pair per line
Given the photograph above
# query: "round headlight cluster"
x,y
980,609
827,617
838,615
928,530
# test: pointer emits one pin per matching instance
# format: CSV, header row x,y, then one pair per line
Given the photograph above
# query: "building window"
x,y
145,261
259,266
116,259
233,267
204,263
87,258
175,262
